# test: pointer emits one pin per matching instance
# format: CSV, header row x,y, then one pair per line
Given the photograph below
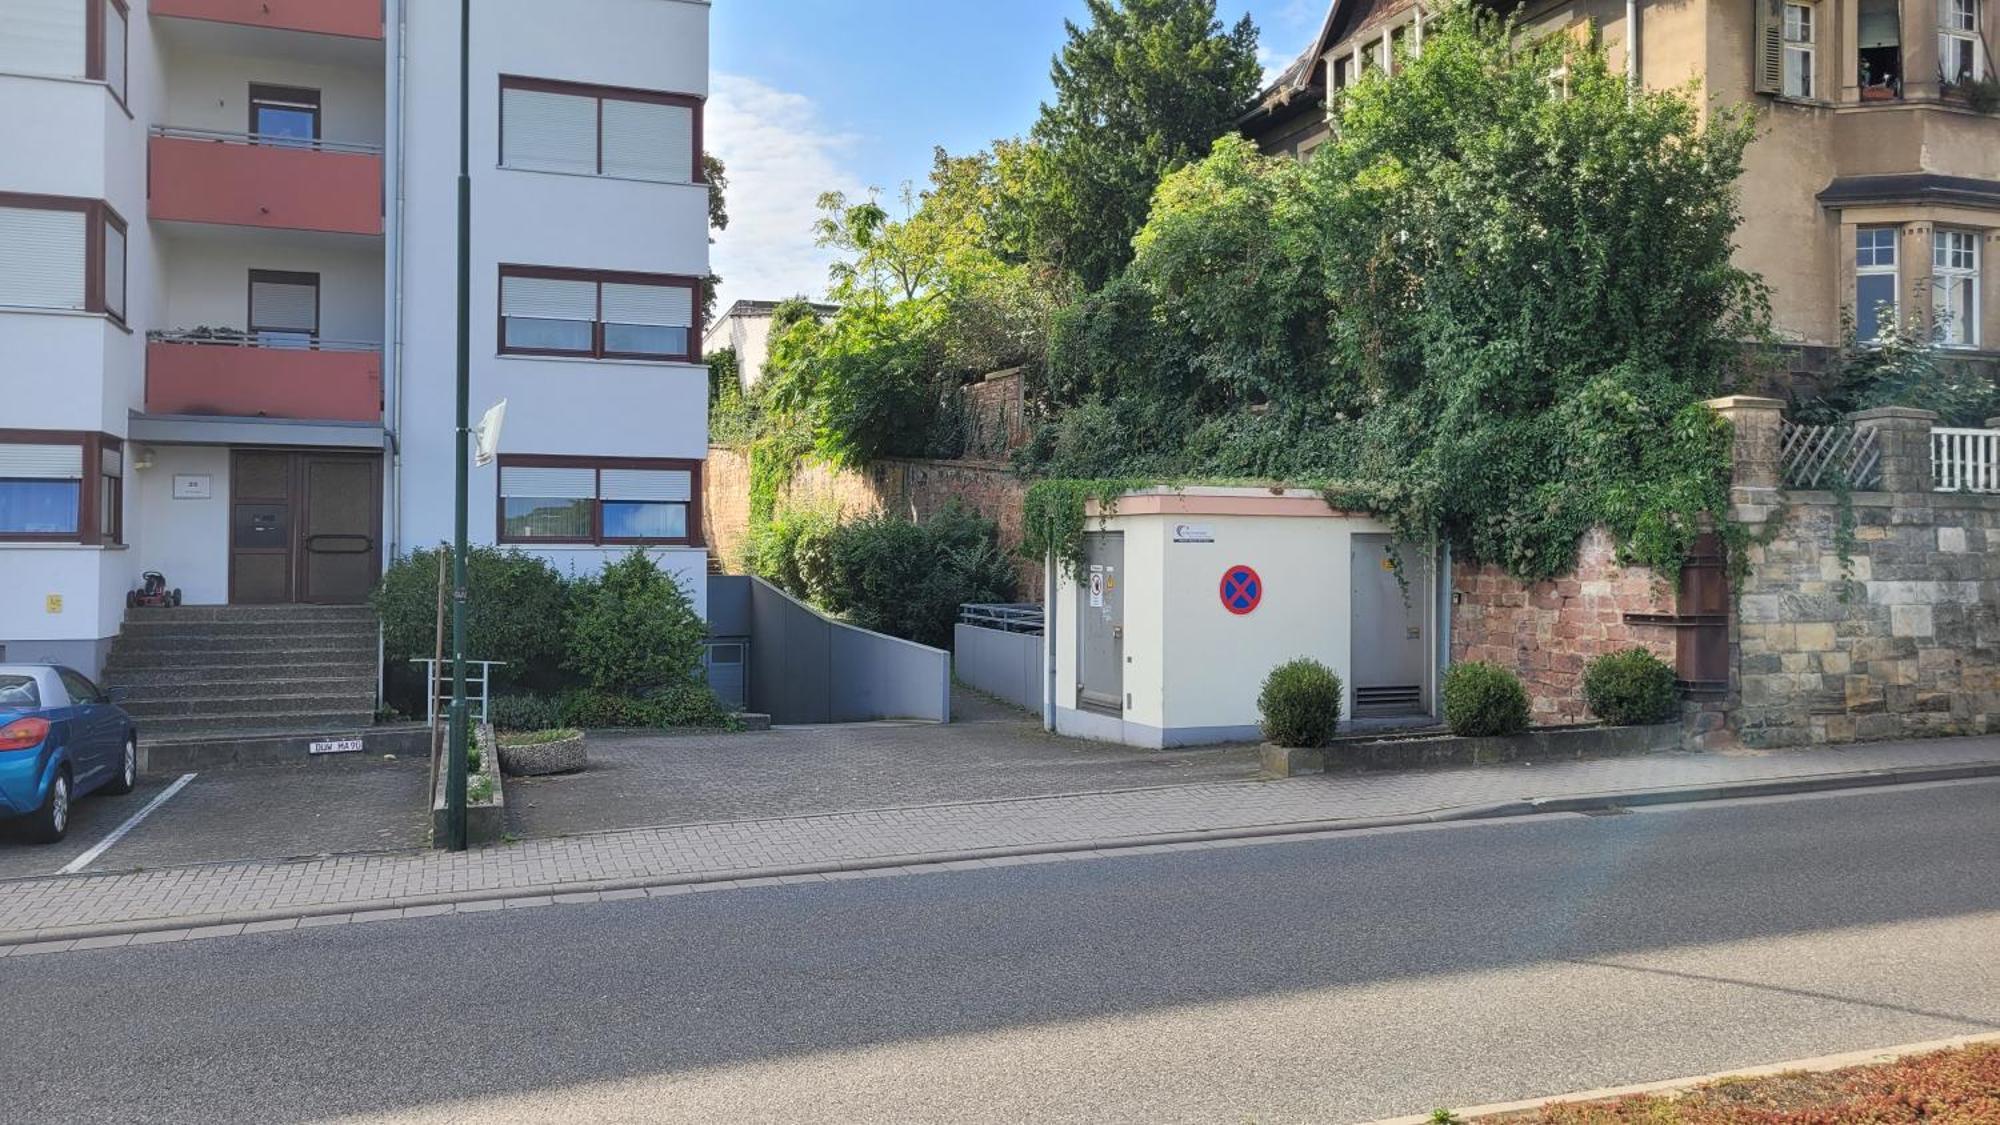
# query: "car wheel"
x,y
50,823
128,767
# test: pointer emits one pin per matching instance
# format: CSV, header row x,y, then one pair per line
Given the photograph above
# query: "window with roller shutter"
x,y
61,486
284,308
597,314
61,252
569,127
599,501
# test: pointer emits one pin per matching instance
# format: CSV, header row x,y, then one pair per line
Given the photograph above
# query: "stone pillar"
x,y
1903,436
1756,423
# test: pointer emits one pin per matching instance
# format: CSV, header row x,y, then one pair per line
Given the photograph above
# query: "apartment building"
x,y
228,236
1872,191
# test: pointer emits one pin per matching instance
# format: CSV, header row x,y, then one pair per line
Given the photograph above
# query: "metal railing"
x,y
1965,460
1820,456
438,679
238,338
269,140
1016,617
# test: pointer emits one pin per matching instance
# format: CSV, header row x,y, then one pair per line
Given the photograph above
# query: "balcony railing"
x,y
237,375
254,180
357,19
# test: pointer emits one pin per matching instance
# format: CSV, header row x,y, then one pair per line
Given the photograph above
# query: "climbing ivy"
x,y
1054,514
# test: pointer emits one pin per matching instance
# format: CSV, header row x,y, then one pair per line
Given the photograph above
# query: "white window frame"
x,y
1955,265
1892,315
1801,34
1959,29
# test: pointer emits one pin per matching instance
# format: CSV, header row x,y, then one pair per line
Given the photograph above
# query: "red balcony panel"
x,y
213,181
248,382
359,19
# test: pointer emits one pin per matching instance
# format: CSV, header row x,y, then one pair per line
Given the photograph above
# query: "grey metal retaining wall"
x,y
1001,664
808,668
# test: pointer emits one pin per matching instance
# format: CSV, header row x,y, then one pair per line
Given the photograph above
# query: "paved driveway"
x,y
274,812
991,751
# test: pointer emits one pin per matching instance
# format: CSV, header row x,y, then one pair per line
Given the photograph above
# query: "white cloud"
x,y
779,156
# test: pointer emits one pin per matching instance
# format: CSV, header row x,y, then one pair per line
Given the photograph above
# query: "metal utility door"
x,y
1100,618
1391,654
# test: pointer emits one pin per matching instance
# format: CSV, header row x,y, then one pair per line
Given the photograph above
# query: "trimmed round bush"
x,y
1629,688
524,712
1300,704
1481,700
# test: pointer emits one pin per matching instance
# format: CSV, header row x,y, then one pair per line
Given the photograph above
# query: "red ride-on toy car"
x,y
152,591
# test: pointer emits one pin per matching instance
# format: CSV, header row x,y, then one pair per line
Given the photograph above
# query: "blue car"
x,y
61,737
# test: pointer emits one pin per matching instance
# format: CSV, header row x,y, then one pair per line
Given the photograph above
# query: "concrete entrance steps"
x,y
207,679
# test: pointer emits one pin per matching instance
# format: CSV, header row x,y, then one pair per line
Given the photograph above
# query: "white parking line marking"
x,y
118,833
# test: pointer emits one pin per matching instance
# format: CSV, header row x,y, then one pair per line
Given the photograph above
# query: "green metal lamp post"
x,y
456,752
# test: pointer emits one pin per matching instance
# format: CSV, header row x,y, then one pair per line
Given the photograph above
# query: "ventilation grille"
x,y
1395,699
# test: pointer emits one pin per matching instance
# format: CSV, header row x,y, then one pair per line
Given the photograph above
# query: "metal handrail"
x,y
271,140
478,685
1014,617
249,340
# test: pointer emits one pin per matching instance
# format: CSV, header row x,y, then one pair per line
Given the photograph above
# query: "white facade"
x,y
286,184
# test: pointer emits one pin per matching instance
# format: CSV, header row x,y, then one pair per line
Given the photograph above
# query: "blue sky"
x,y
816,95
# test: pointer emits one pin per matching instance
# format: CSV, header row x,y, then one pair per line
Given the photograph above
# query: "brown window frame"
x,y
602,94
597,538
93,48
89,515
601,278
97,214
262,93
279,277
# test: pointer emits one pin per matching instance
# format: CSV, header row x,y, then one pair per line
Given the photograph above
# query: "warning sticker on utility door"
x,y
1096,587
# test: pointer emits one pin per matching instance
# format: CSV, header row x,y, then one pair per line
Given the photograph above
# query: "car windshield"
x,y
19,691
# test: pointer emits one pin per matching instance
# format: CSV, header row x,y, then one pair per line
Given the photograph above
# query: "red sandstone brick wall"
x,y
1545,632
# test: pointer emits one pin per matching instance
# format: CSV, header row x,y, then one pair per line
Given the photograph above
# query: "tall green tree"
x,y
1140,90
717,177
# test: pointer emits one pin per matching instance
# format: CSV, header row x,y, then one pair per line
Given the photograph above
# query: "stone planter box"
x,y
1415,751
1291,761
485,820
562,756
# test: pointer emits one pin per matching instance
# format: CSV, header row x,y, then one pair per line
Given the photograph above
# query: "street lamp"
x,y
454,785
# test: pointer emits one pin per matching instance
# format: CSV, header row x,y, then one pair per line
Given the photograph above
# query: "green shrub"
x,y
511,600
524,712
595,710
632,628
885,573
538,737
1483,699
1630,687
687,705
1300,703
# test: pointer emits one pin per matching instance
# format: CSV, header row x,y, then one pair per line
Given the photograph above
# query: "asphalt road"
x,y
1327,980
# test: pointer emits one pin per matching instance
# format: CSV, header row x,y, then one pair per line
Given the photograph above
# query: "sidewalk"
x,y
167,902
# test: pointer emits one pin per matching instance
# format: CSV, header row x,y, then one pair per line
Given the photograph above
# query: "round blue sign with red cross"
x,y
1241,590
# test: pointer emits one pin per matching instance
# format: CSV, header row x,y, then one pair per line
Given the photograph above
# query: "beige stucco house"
x,y
1873,182
746,327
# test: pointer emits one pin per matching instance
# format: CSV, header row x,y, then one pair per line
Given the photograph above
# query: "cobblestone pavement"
x,y
225,897
989,751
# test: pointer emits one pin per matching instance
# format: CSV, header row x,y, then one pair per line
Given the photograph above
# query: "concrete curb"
x,y
1807,783
1817,1064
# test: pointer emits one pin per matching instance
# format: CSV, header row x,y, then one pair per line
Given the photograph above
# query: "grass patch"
x,y
1959,1086
537,737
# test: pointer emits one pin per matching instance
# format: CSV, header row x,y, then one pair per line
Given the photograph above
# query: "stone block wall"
x,y
1546,632
1902,643
914,489
997,415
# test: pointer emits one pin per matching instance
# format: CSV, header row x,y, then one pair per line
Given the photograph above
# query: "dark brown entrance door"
x,y
304,526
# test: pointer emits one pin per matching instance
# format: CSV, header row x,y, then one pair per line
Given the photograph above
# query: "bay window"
x,y
66,39
1955,288
596,314
58,252
58,486
601,501
1875,281
549,126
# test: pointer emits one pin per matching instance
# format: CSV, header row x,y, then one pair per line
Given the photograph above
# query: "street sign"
x,y
1241,590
